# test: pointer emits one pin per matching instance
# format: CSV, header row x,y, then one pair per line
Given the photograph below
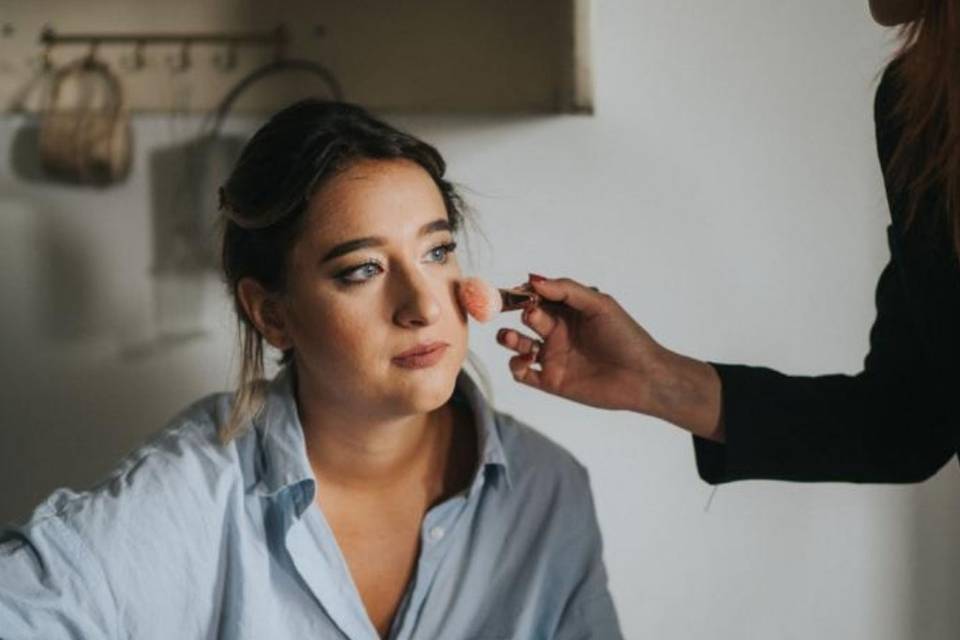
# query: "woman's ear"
x,y
266,312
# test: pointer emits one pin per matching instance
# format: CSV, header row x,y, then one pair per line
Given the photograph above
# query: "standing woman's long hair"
x,y
927,157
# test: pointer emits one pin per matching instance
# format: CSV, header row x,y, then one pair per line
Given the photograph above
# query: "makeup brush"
x,y
483,301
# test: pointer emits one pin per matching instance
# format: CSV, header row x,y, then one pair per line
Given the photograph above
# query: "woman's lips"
x,y
423,356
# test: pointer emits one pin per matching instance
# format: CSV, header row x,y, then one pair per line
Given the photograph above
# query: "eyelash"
x,y
343,276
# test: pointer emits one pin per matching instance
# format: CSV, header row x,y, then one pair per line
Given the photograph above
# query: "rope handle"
x,y
218,115
115,98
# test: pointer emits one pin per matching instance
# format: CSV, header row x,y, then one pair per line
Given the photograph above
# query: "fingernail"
x,y
501,335
536,278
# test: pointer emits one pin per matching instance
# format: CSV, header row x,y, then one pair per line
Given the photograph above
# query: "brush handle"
x,y
518,298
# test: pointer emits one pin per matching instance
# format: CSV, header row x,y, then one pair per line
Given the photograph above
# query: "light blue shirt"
x,y
190,538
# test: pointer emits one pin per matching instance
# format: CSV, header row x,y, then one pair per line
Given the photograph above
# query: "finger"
x,y
569,292
540,320
522,369
518,342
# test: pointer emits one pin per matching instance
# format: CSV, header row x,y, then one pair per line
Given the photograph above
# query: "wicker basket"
x,y
89,140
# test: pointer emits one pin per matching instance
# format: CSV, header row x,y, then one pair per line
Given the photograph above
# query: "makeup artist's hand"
x,y
591,351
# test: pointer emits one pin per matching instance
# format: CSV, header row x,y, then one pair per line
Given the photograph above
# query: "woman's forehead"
x,y
388,198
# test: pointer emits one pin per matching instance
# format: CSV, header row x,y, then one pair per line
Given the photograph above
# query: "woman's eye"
x,y
442,252
366,271
359,274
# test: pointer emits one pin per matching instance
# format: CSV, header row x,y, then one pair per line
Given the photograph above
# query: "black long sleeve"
x,y
896,421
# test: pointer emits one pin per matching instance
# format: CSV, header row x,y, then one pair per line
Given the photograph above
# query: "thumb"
x,y
568,292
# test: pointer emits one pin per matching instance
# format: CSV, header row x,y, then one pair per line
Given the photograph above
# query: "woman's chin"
x,y
427,390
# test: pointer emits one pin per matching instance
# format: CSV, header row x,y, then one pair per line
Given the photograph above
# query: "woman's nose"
x,y
419,306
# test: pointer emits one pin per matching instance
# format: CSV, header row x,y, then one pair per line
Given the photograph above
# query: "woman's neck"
x,y
353,454
355,450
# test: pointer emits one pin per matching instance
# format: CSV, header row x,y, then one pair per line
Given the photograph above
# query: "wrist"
x,y
685,392
650,378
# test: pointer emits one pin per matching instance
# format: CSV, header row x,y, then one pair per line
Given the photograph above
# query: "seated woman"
x,y
369,490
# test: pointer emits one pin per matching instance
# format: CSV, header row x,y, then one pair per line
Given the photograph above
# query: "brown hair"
x,y
927,156
265,199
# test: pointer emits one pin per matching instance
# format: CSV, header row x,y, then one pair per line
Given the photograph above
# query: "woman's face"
x,y
373,276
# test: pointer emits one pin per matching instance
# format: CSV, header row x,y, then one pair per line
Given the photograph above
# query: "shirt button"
x,y
437,533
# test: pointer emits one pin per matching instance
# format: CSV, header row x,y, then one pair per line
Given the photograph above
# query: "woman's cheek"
x,y
349,331
457,307
327,329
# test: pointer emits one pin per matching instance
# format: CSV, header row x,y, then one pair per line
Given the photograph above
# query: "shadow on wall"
x,y
74,398
24,153
184,181
48,435
94,364
64,291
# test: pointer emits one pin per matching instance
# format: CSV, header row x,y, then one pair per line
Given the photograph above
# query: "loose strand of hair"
x,y
251,387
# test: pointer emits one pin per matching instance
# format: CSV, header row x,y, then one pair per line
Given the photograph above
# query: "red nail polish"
x,y
535,278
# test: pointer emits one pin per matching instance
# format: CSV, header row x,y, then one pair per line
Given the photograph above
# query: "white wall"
x,y
727,192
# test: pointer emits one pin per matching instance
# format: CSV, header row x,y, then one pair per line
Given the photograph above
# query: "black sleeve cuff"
x,y
711,456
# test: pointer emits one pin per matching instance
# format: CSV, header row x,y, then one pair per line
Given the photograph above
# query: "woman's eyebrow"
x,y
441,224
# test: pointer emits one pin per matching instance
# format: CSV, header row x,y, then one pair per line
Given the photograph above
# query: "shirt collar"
x,y
489,445
283,452
283,462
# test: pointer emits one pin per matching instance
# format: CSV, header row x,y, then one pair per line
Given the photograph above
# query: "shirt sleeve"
x,y
50,586
589,612
889,423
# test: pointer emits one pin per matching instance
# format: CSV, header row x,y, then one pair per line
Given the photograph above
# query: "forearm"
x,y
685,392
863,428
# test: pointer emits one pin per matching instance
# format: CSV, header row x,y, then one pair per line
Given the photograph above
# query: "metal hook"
x,y
227,61
137,60
46,58
91,58
181,63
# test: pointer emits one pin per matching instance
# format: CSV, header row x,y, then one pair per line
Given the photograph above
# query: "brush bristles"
x,y
480,299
